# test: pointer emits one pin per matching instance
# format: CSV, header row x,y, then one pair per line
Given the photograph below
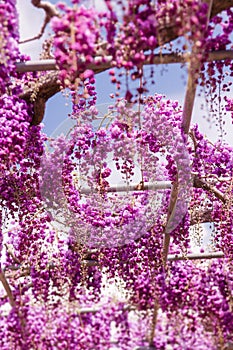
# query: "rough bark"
x,y
39,93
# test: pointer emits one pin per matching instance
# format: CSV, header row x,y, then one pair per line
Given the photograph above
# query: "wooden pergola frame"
x,y
99,65
50,86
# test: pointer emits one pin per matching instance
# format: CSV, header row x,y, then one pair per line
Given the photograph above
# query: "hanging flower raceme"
x,y
14,131
229,106
87,213
143,28
214,76
162,122
99,219
76,37
214,300
91,173
8,42
75,46
212,166
69,328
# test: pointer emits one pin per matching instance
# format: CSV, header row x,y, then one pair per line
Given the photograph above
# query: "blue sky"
x,y
58,107
170,80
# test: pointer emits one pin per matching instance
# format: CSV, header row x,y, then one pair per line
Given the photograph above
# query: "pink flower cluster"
x,y
14,133
60,225
76,36
8,42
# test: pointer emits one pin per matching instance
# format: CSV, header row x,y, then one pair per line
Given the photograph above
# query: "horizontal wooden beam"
x,y
201,256
227,346
173,257
147,186
34,66
145,348
101,64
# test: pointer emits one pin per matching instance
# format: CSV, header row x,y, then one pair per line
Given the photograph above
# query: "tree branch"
x,y
39,92
7,288
199,183
50,11
11,253
201,216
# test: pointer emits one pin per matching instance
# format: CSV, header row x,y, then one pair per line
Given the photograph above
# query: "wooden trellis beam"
x,y
227,346
174,257
145,348
92,262
147,186
201,256
99,66
193,74
48,84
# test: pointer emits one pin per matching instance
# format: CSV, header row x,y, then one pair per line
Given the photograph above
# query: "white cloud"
x,y
99,5
201,116
30,23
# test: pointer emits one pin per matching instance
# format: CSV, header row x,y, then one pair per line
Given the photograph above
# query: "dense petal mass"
x,y
88,218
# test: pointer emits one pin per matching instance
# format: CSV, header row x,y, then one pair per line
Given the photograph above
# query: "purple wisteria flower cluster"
x,y
9,42
83,265
104,219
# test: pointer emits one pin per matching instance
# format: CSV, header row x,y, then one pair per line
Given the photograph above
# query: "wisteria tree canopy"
x,y
99,225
